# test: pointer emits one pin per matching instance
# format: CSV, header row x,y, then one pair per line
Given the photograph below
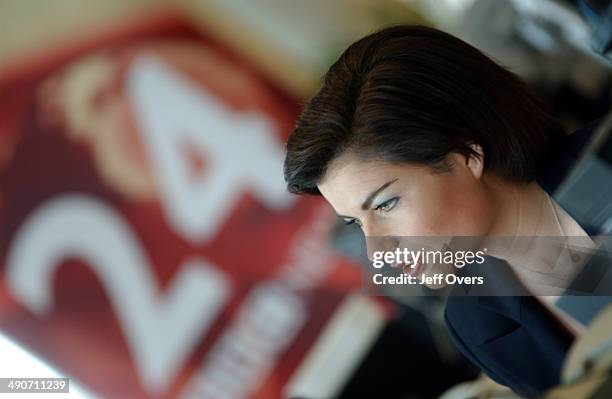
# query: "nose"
x,y
380,244
378,238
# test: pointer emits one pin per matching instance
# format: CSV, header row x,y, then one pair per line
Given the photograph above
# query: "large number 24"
x,y
161,328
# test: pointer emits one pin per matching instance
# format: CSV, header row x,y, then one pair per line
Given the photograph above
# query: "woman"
x,y
416,133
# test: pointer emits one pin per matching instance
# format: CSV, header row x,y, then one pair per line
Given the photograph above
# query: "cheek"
x,y
453,212
471,213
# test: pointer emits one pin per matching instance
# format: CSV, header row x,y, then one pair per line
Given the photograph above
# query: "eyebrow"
x,y
368,201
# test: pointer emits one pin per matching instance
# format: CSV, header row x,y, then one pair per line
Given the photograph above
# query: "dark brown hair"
x,y
413,94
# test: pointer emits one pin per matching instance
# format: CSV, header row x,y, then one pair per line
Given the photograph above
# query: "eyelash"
x,y
393,201
388,203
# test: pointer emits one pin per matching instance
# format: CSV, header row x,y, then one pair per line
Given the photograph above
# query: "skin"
x,y
415,200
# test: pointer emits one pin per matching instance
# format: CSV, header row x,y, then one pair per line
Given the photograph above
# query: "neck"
x,y
519,208
518,212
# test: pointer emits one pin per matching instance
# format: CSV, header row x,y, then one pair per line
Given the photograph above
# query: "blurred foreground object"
x,y
587,372
482,388
148,247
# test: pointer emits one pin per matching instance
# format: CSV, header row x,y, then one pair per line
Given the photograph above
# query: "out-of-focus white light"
x,y
16,361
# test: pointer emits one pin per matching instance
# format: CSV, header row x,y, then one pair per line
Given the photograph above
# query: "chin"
x,y
438,269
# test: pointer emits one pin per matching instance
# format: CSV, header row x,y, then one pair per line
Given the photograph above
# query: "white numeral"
x,y
161,328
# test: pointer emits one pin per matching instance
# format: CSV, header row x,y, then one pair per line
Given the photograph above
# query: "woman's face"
x,y
403,200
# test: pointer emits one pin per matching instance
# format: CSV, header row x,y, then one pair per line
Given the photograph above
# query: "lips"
x,y
413,271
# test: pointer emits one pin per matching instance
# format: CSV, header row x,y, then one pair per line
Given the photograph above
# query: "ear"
x,y
475,162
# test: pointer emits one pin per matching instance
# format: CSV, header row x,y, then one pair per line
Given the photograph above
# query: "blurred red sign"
x,y
148,246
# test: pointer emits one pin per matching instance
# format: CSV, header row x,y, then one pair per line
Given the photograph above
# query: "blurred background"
x,y
148,248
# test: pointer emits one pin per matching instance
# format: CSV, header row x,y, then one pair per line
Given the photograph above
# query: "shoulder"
x,y
514,340
479,319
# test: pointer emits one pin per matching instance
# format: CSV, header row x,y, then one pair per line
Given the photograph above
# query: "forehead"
x,y
350,171
349,180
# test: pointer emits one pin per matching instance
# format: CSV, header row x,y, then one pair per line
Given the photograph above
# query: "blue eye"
x,y
387,205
